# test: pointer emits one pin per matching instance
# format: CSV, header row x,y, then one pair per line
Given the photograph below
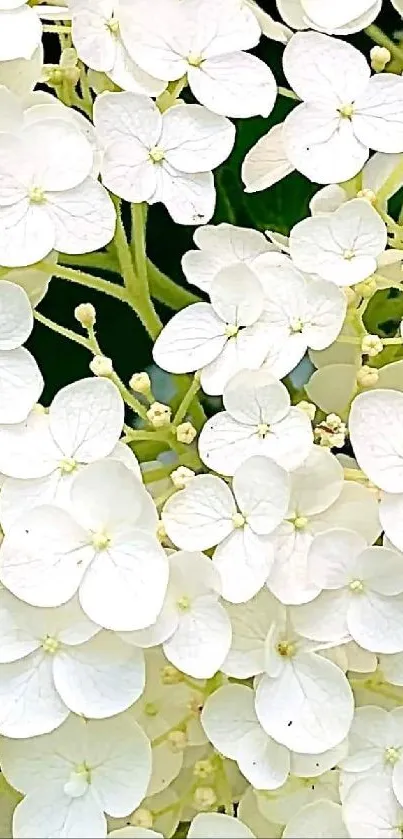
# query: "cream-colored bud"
x,y
85,314
351,296
169,675
204,798
141,383
142,818
159,415
367,376
368,194
101,365
181,477
371,345
39,409
380,57
186,433
177,740
203,769
308,408
367,288
331,433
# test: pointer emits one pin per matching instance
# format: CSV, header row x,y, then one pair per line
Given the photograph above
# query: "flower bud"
x,y
204,798
85,314
101,365
141,383
351,296
169,675
380,57
368,194
181,477
308,408
186,433
142,818
331,433
177,740
159,415
367,376
371,345
203,769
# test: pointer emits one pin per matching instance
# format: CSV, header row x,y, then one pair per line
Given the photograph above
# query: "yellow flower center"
x,y
296,325
183,603
194,59
50,645
286,649
356,586
346,111
300,522
101,540
348,255
113,25
156,154
238,520
67,465
392,755
262,430
231,330
36,195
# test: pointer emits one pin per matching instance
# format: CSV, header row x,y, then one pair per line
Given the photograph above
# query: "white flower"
x,y
340,19
206,513
371,809
339,503
321,818
106,547
96,37
43,454
43,203
299,312
344,112
250,622
149,156
204,41
218,826
54,661
193,625
21,382
375,747
222,245
343,246
73,775
303,700
20,30
361,593
258,420
219,338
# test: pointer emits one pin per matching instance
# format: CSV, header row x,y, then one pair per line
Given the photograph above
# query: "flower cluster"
x,y
201,598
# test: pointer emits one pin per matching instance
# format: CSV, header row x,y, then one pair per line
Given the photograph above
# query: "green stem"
x,y
378,36
187,400
98,261
61,330
84,279
166,291
128,397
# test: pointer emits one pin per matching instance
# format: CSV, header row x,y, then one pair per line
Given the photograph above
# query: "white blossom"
x,y
20,30
342,19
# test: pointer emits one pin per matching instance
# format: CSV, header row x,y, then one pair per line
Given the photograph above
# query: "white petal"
x,y
106,495
264,762
246,351
243,561
21,385
266,162
195,140
332,386
261,489
20,75
149,40
235,85
59,814
200,516
227,716
94,42
27,234
324,619
123,752
378,121
289,579
84,217
218,826
191,339
86,418
20,33
375,622
332,557
321,468
322,818
370,808
58,141
127,116
377,437
189,199
30,704
43,557
314,696
16,320
99,678
128,75
250,623
345,71
128,171
237,295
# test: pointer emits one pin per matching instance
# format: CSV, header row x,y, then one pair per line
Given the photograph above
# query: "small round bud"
x,y
367,376
371,345
367,288
85,314
308,408
331,433
186,433
39,409
169,675
181,477
351,296
142,818
203,769
177,740
368,194
101,365
159,415
380,57
141,383
204,798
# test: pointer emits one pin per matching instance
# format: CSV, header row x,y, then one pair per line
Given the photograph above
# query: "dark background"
x,y
120,333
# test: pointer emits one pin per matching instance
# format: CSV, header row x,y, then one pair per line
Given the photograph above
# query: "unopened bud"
x,y
181,477
367,376
368,194
371,345
351,296
177,740
142,818
186,433
169,675
380,57
85,314
39,409
331,433
159,415
203,769
367,288
308,408
204,798
141,383
101,365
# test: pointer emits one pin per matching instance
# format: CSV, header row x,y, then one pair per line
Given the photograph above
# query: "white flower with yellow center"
x,y
375,748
